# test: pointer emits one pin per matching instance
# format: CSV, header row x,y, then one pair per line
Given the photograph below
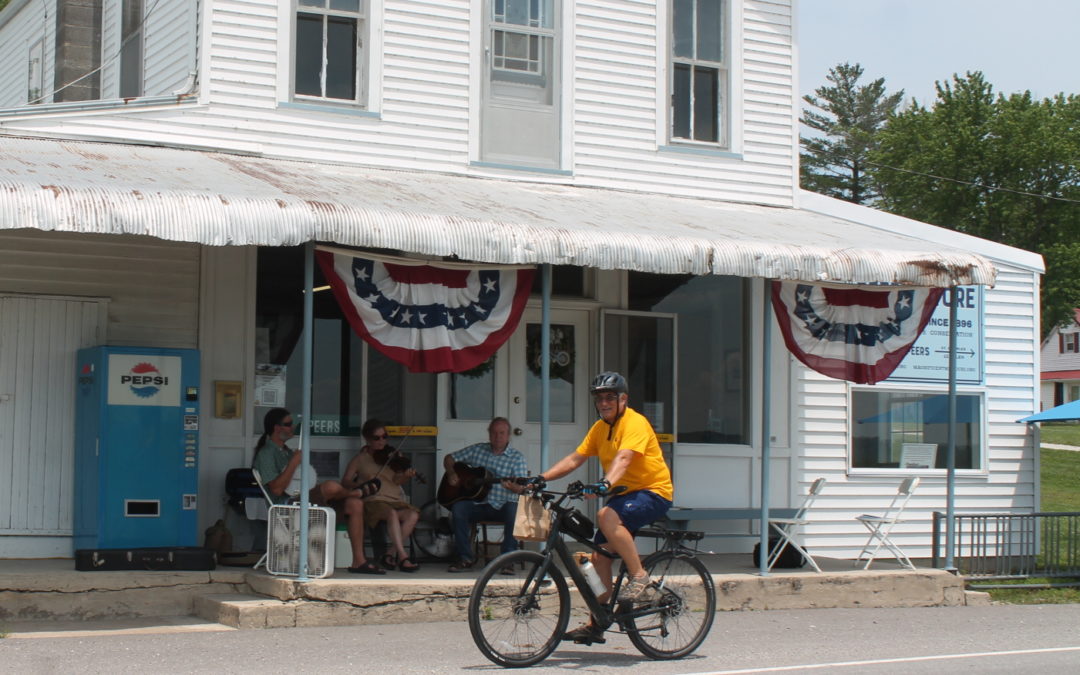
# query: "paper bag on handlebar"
x,y
533,522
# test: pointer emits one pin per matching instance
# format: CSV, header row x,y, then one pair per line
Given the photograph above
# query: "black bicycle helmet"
x,y
609,381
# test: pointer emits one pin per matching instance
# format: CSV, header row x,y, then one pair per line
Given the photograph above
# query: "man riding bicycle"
x,y
624,441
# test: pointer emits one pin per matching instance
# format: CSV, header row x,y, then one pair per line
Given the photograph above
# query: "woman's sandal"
x,y
389,561
367,568
407,565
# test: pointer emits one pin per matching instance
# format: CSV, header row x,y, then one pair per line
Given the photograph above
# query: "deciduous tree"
x,y
1001,168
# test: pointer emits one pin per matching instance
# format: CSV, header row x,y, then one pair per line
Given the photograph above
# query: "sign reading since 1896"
x,y
928,360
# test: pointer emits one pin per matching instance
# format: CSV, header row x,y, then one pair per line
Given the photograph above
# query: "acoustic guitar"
x,y
474,483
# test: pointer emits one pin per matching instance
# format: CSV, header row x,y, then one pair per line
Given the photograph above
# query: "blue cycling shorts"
x,y
636,510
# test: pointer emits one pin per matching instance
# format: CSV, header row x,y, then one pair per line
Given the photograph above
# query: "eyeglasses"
x,y
379,437
606,398
286,424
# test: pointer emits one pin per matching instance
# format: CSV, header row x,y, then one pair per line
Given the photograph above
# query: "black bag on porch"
x,y
151,559
789,559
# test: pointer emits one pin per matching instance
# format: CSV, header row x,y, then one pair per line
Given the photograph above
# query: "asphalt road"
x,y
997,639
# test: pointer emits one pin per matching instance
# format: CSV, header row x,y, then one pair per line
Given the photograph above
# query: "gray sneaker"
x,y
634,588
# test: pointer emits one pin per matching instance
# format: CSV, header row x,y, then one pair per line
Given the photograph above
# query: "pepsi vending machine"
x,y
136,447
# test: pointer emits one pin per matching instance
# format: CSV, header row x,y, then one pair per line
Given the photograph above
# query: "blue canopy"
x,y
1068,411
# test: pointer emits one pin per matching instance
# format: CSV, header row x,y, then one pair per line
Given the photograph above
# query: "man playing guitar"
x,y
501,503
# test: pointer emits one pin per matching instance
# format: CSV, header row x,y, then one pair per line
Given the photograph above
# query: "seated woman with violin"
x,y
378,460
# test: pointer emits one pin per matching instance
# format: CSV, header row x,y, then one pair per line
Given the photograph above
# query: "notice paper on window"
x,y
918,455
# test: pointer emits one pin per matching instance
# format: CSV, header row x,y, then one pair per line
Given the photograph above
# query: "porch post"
x,y
305,404
950,449
766,396
545,363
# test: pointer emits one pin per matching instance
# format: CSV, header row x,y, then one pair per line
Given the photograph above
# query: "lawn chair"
x,y
787,527
269,503
881,526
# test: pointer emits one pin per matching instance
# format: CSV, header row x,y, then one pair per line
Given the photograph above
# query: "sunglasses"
x,y
286,424
378,437
606,398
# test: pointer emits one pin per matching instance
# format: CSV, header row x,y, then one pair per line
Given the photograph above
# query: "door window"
x,y
471,394
563,357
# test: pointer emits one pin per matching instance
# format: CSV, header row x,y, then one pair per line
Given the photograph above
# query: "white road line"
x,y
909,659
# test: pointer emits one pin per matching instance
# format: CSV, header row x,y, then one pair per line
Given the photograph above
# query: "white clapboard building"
x,y
162,162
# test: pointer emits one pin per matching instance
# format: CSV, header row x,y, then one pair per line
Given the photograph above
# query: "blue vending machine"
x,y
136,447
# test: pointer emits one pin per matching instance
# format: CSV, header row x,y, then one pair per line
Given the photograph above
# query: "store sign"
x,y
928,360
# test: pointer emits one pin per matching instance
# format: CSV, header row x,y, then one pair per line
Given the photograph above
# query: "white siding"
x,y
170,46
1006,485
153,285
426,101
111,20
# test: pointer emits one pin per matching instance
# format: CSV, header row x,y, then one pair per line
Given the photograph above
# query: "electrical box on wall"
x,y
136,447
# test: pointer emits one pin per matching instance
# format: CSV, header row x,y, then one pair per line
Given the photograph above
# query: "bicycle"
x,y
519,620
432,535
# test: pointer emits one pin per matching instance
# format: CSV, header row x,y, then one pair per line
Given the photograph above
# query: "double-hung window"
x,y
329,50
699,71
520,105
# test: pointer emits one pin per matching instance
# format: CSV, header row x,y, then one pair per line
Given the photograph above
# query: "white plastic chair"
x,y
881,526
787,527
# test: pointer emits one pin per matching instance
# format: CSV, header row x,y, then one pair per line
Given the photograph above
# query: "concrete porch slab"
x,y
243,598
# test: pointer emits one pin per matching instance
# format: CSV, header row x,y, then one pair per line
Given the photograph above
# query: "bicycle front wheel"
x,y
684,599
518,619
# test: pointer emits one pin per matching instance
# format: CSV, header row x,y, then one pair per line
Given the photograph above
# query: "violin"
x,y
397,461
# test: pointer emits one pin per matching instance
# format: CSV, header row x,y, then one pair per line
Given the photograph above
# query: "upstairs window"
x,y
131,49
521,84
35,84
699,71
1068,343
329,50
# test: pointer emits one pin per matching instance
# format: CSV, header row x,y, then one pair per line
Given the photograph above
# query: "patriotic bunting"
x,y
855,334
428,317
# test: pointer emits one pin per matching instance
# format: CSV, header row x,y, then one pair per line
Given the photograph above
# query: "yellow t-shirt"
x,y
632,431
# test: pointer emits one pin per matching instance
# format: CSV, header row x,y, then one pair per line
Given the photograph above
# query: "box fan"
x,y
283,540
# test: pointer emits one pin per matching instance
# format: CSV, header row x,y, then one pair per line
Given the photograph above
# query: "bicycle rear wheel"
x,y
518,620
684,600
432,535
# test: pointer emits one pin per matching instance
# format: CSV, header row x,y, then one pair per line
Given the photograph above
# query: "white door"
x,y
38,340
509,386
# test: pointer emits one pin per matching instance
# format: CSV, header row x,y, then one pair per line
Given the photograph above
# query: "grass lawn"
x,y
1060,492
1060,480
1061,433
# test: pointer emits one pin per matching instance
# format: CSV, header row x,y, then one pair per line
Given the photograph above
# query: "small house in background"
x,y
1060,358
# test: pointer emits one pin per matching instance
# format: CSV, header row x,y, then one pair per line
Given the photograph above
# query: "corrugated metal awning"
x,y
220,199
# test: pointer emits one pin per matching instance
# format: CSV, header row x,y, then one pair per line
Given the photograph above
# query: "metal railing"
x,y
1012,545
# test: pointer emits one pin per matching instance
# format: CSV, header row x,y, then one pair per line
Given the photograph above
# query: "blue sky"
x,y
1018,45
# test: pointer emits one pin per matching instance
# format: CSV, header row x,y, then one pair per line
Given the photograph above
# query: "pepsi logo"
x,y
144,379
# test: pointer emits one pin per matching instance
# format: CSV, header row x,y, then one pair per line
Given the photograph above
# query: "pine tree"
x,y
847,117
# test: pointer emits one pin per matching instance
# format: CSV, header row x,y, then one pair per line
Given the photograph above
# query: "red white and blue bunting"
x,y
429,317
855,333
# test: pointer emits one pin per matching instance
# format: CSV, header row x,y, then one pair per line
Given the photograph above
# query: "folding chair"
x,y
269,503
881,526
787,527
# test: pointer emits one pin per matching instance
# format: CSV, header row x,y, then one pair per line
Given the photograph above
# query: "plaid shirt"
x,y
510,464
